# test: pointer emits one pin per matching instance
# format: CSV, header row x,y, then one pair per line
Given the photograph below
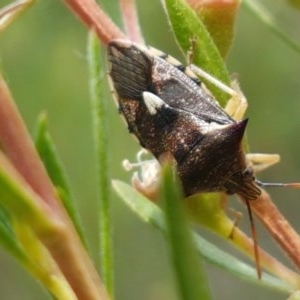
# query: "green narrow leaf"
x,y
186,26
35,260
17,198
99,115
41,264
7,237
262,14
219,19
53,164
152,214
12,11
30,220
192,282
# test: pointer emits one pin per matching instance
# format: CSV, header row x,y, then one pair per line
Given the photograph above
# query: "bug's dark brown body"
x,y
185,121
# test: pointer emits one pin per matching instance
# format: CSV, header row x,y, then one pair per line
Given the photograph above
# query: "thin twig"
x,y
18,146
101,141
63,244
131,22
95,18
278,226
245,244
10,12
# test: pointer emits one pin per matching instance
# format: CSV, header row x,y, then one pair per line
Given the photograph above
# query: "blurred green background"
x,y
43,56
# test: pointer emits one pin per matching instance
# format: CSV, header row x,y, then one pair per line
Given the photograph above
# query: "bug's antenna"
x,y
295,185
255,241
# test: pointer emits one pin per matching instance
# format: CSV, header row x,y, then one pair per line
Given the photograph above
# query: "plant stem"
x,y
242,242
16,143
99,115
62,241
278,226
95,18
191,280
130,20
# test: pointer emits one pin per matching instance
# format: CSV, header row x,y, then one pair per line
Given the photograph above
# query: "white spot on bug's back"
x,y
153,102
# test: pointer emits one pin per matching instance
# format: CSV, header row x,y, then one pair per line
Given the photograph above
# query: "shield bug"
x,y
170,111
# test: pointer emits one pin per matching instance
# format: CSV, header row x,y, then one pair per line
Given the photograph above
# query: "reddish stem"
x,y
63,244
131,22
95,18
81,275
245,244
278,226
18,146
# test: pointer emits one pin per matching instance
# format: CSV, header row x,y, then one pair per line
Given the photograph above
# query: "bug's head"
x,y
243,183
242,180
238,174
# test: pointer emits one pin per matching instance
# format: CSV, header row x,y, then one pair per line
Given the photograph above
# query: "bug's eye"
x,y
248,173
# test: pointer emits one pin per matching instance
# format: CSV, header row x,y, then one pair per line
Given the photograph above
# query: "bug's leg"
x,y
236,108
234,214
237,216
203,74
261,161
11,11
237,105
